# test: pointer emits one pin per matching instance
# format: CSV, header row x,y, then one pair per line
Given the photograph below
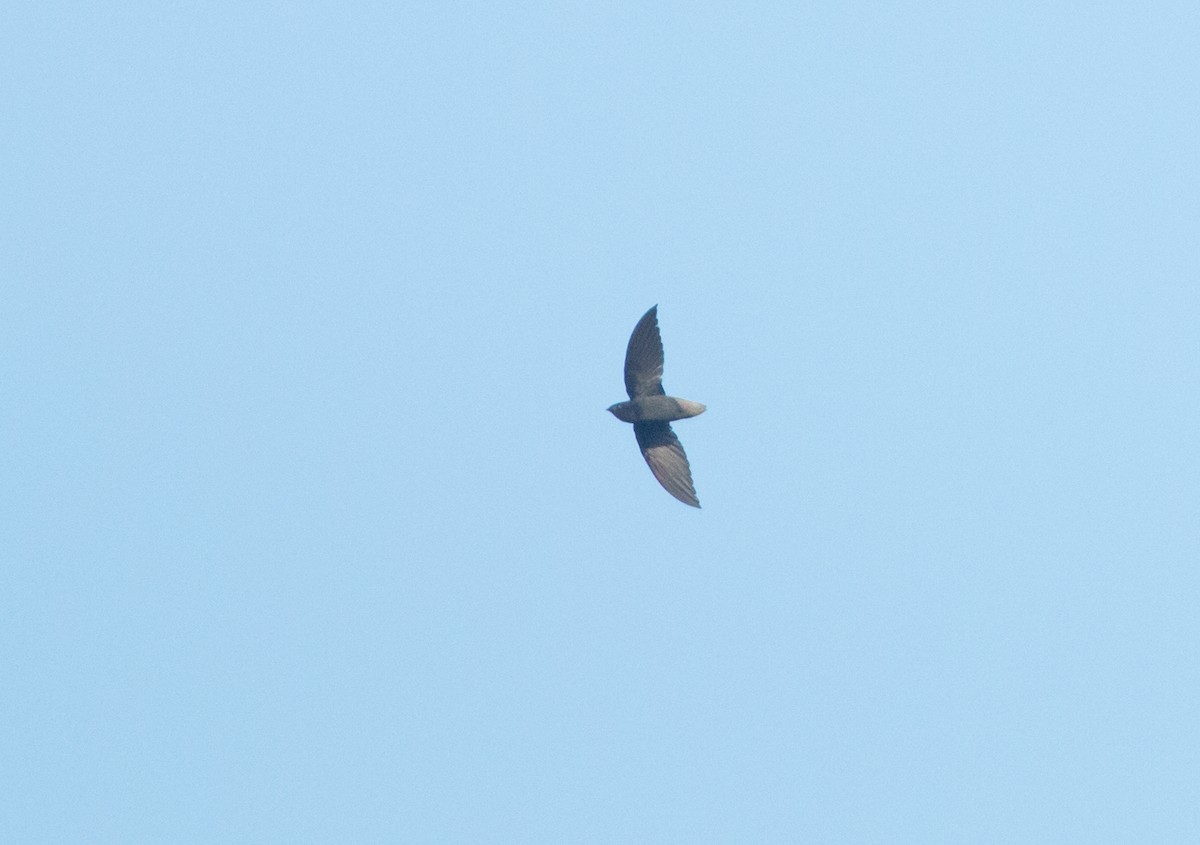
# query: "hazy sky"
x,y
315,529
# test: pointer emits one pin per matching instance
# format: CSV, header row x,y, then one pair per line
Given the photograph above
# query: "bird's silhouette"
x,y
651,411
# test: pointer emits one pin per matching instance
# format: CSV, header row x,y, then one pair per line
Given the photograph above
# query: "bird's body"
x,y
656,409
651,411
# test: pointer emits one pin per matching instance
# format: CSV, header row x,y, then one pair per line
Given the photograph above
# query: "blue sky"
x,y
316,530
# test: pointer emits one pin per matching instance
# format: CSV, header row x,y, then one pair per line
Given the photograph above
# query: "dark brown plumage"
x,y
651,411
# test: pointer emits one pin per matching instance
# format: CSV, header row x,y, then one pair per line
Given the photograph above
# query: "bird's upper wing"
x,y
644,358
664,453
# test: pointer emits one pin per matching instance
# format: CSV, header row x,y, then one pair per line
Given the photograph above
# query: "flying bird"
x,y
651,411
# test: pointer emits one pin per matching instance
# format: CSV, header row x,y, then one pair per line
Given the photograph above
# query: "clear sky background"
x,y
315,529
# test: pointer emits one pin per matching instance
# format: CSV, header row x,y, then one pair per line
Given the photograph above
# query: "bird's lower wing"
x,y
667,460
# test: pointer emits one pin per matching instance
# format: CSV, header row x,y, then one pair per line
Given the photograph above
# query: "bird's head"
x,y
622,411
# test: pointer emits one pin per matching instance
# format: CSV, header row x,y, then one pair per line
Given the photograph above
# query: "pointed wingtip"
x,y
682,496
